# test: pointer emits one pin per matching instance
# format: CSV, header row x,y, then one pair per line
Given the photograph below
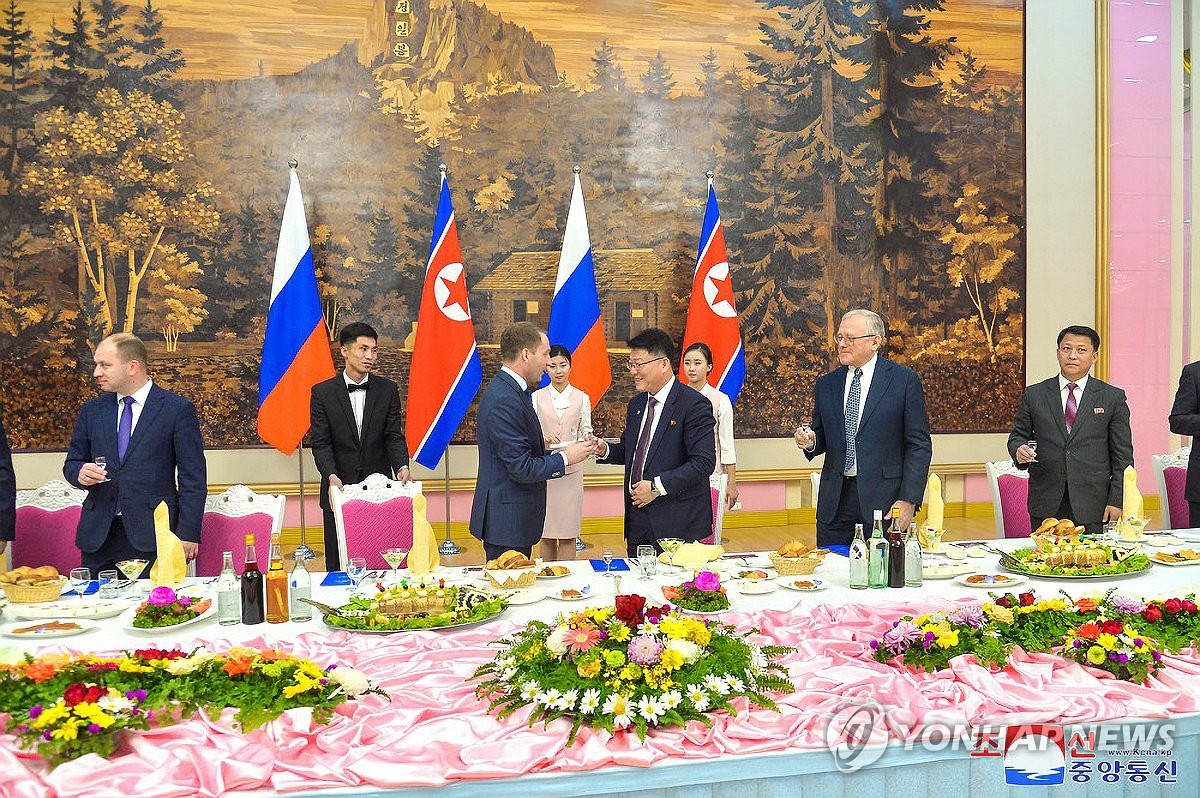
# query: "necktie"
x,y
643,445
1072,408
852,403
352,387
124,427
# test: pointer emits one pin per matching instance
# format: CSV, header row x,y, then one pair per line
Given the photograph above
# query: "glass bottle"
x,y
253,610
877,554
277,585
895,551
229,599
913,562
300,587
858,559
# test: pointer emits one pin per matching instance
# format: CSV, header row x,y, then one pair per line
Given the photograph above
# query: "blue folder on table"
x,y
618,564
92,587
336,579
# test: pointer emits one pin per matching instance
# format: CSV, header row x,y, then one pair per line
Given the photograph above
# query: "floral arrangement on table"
x,y
629,665
701,593
165,607
1129,632
67,705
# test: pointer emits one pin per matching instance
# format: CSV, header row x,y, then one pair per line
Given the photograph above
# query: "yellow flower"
x,y
671,660
673,628
921,620
309,669
1096,655
698,633
94,714
67,731
129,666
619,632
588,669
303,684
272,669
629,673
998,613
51,716
1109,642
948,639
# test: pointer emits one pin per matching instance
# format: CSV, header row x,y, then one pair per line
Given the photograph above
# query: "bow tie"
x,y
351,387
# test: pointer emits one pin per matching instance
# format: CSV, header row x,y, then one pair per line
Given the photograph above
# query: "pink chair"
x,y
46,522
228,518
373,515
718,484
1010,495
1170,472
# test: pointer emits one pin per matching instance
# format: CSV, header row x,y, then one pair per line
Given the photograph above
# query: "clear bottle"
x,y
229,594
300,587
895,568
277,585
858,559
913,562
252,586
877,563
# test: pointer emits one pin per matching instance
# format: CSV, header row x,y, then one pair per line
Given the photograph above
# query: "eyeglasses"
x,y
636,366
846,339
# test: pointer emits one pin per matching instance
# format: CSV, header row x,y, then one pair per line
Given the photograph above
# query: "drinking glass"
x,y
132,570
356,569
1032,445
110,588
647,558
608,558
80,577
670,546
1110,532
102,462
393,557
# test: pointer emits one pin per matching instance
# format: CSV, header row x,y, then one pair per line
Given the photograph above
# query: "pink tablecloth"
x,y
434,731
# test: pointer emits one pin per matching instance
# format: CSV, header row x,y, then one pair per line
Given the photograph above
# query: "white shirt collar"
x,y
1063,382
520,380
661,395
868,368
349,381
139,396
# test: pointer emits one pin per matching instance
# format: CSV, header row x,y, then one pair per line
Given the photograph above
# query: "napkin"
x,y
423,557
935,506
694,555
170,567
1132,502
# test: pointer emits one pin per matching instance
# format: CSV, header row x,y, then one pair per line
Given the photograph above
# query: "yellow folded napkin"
x,y
694,555
170,567
935,506
1132,501
423,557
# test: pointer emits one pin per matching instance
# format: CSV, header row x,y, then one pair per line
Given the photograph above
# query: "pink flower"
x,y
708,581
161,596
582,638
644,650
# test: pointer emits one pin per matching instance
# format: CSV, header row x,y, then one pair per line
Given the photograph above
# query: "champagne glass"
x,y
393,557
608,558
132,569
356,569
670,546
80,577
101,461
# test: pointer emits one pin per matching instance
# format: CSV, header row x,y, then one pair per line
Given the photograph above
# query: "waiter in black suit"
x,y
1185,420
356,429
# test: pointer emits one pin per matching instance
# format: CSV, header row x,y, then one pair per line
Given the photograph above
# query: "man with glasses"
x,y
667,449
1081,428
869,421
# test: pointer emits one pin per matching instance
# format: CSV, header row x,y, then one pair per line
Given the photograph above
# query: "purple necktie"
x,y
124,428
1072,408
643,445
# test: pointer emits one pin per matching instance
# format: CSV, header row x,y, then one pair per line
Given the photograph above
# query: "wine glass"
x,y
80,577
356,569
670,546
101,461
393,557
646,558
132,569
608,558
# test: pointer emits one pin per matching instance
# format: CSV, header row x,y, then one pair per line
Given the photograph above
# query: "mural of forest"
x,y
867,153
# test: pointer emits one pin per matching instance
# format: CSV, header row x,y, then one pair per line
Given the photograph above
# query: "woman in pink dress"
x,y
697,363
566,416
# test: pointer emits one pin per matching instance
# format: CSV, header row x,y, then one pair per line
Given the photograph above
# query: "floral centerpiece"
x,y
1115,647
930,641
165,607
702,593
68,705
629,666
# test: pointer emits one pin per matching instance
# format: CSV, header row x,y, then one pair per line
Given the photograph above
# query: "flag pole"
x,y
448,548
303,552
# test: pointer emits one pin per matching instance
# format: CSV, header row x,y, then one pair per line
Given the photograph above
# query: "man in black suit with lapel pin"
x,y
1084,443
356,429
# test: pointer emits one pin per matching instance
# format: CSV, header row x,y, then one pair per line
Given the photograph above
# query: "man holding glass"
x,y
869,421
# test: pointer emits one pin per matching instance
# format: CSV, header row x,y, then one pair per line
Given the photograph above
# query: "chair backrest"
x,y
718,484
373,515
814,477
46,521
1170,472
1010,495
228,518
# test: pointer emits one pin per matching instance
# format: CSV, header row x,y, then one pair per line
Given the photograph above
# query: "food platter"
x,y
457,625
369,616
162,630
584,592
1132,566
49,630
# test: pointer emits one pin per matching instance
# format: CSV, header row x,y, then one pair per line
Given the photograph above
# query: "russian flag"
x,y
575,309
296,347
712,318
445,373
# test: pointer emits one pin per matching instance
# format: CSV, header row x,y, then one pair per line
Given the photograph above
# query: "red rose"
x,y
1026,599
94,694
1172,606
1189,606
74,694
1111,627
1004,601
629,610
1152,614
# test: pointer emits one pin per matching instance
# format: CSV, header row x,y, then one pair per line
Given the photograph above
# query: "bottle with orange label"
x,y
277,585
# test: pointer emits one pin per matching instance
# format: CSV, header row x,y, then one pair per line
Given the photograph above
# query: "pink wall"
x,y
1140,208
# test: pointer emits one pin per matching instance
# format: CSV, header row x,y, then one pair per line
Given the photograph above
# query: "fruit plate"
x,y
801,584
94,610
162,630
48,629
988,580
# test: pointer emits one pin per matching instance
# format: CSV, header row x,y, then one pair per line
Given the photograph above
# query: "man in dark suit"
x,y
509,506
1081,426
1185,420
356,429
8,493
869,421
148,437
668,449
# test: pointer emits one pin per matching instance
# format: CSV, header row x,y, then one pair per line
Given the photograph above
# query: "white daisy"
x,y
690,652
716,684
647,628
530,690
550,698
758,660
590,701
615,704
568,700
650,708
735,684
698,696
671,699
622,720
507,674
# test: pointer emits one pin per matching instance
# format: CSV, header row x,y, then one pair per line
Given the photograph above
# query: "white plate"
x,y
1154,559
789,582
162,630
83,626
946,570
103,608
554,576
586,592
702,613
755,587
1005,581
1159,541
518,597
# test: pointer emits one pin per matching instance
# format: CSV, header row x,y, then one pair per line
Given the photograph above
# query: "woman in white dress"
x,y
697,363
566,416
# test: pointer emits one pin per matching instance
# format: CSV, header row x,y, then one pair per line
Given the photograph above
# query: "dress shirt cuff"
x,y
662,491
563,455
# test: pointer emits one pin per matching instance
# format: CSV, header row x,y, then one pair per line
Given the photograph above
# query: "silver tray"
x,y
458,625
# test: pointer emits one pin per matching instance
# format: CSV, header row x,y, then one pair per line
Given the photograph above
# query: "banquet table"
x,y
435,737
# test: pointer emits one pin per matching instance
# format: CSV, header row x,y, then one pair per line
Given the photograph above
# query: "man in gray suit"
x,y
1081,426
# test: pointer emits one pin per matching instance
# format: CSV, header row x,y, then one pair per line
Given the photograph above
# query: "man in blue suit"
x,y
146,435
668,449
509,506
869,421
